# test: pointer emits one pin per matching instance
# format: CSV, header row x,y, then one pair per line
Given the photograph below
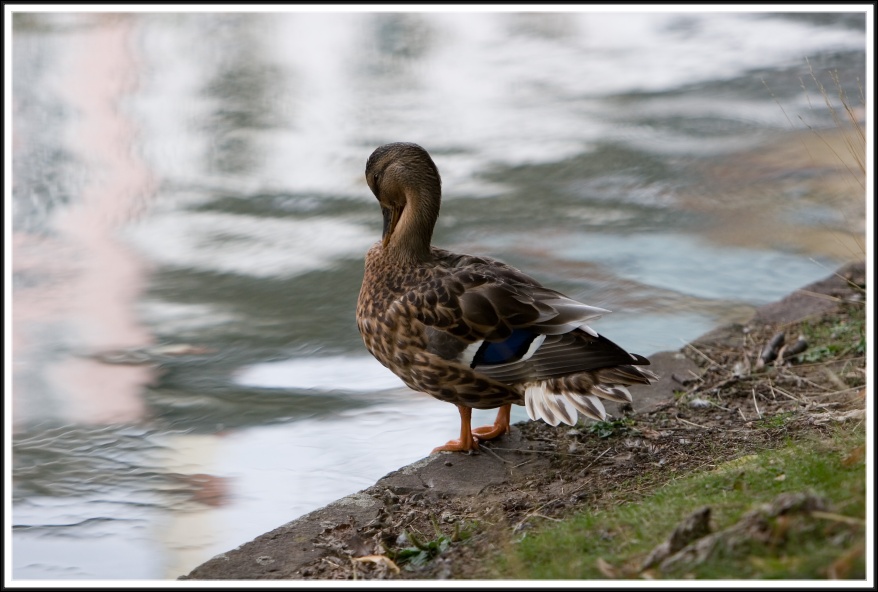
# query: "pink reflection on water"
x,y
87,281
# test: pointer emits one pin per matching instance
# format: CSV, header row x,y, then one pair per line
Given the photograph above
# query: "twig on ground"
x,y
838,518
701,353
678,418
494,454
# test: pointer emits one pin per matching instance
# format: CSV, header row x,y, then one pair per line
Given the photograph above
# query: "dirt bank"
x,y
716,400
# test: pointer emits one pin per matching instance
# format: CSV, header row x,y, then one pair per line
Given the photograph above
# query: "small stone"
x,y
264,560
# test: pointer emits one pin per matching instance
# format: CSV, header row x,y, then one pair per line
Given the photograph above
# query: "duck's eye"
x,y
375,178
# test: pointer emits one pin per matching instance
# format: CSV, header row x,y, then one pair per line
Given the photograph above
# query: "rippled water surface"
x,y
189,218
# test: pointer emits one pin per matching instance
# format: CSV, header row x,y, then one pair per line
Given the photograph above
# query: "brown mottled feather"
x,y
423,311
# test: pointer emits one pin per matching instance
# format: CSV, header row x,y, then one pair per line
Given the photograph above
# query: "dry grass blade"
x,y
700,353
607,570
680,419
838,518
856,150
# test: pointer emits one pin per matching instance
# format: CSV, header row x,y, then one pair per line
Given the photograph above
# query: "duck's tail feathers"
x,y
561,400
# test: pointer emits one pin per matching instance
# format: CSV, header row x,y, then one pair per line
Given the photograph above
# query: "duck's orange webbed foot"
x,y
500,427
467,442
458,446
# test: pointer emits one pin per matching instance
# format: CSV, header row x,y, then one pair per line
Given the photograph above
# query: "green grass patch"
x,y
614,542
422,551
845,336
615,427
778,420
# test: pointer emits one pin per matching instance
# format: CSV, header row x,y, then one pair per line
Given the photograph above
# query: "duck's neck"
x,y
410,241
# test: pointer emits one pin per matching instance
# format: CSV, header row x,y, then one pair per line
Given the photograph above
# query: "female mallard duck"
x,y
474,331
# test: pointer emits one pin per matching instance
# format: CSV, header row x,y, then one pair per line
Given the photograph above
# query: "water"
x,y
189,219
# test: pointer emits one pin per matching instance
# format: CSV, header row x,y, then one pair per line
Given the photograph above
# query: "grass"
x,y
847,336
771,422
421,551
855,140
614,542
614,427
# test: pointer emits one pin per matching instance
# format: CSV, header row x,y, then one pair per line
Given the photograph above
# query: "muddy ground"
x,y
734,392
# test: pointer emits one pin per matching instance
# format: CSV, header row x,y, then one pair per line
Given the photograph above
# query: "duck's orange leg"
x,y
467,441
500,427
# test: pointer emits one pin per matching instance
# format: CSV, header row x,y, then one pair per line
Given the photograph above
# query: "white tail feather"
x,y
554,408
589,406
560,410
614,392
529,397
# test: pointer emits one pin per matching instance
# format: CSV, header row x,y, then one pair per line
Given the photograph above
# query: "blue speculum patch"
x,y
509,350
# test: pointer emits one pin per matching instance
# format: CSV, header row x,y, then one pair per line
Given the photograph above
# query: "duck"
x,y
472,330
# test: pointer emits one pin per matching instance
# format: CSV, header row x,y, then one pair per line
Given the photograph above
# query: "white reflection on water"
x,y
83,279
324,373
249,245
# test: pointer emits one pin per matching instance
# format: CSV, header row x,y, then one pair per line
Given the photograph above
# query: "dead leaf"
x,y
607,570
855,456
841,567
378,560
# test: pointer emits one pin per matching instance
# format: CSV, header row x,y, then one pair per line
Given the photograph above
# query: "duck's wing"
x,y
504,324
563,355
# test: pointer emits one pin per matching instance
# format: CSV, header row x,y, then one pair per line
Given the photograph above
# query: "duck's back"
x,y
469,327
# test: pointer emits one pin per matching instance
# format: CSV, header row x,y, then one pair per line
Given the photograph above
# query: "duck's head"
x,y
406,182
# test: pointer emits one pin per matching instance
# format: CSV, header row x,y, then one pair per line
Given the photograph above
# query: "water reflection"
x,y
190,219
84,281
